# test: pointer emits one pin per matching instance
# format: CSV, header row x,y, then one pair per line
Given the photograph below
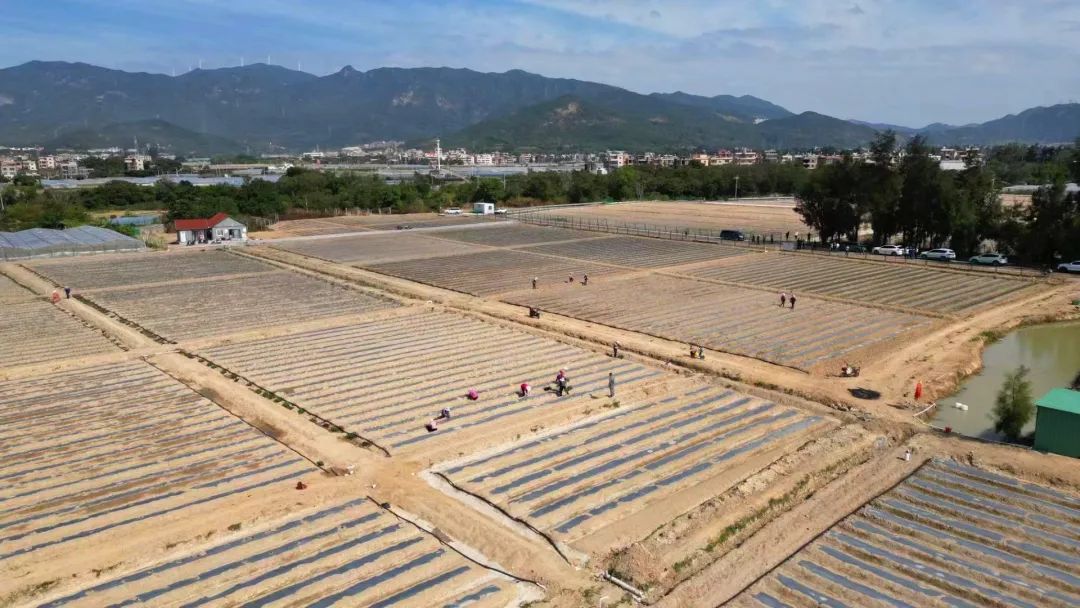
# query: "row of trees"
x,y
305,192
917,203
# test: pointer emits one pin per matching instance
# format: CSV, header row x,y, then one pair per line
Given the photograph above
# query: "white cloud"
x,y
912,61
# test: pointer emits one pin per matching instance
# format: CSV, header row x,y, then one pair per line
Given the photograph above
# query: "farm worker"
x,y
301,485
561,383
67,293
431,426
918,391
524,389
615,350
611,384
472,394
55,296
534,282
783,299
444,414
907,455
585,280
700,352
571,278
792,298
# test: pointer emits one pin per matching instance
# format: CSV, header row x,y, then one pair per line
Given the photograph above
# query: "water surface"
x,y
1051,352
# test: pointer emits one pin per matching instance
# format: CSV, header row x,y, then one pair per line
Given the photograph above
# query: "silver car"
x,y
938,254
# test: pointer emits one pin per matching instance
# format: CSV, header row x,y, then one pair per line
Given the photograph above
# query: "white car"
x,y
890,250
1069,266
938,254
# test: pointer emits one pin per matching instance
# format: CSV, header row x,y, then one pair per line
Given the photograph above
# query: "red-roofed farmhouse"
x,y
219,227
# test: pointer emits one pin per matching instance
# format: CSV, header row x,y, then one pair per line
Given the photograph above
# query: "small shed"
x,y
1057,422
484,208
219,227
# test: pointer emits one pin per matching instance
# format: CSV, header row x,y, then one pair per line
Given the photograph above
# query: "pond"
x,y
1051,352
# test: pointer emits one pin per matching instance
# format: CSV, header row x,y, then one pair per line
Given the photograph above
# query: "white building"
x,y
8,169
486,160
135,162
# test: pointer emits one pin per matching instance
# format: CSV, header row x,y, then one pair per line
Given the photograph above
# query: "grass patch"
x,y
234,527
991,336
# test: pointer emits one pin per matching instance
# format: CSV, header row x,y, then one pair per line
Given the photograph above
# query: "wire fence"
x,y
762,242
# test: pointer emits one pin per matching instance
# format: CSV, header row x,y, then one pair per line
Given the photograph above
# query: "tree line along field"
x,y
371,248
594,476
493,272
97,272
344,552
35,331
741,321
949,535
385,379
222,306
930,289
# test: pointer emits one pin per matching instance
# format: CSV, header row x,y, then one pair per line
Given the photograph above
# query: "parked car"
x,y
938,254
1069,267
990,259
849,247
732,235
889,250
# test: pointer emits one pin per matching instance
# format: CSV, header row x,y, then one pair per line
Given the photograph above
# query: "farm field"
x,y
950,535
344,552
731,319
376,248
929,289
10,291
594,475
35,331
637,251
90,453
223,306
307,227
97,272
774,218
512,235
414,220
492,272
385,379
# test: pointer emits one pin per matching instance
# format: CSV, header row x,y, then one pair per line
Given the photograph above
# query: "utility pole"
x,y
736,187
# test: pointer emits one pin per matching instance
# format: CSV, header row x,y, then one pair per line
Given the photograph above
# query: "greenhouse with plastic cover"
x,y
45,242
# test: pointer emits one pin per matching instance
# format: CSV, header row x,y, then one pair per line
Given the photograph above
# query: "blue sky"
x,y
909,62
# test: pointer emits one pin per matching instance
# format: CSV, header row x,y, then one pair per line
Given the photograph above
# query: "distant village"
x,y
67,168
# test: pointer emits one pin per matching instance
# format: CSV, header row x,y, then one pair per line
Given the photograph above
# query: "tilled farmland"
x,y
638,252
376,248
950,535
92,452
11,292
776,218
512,235
346,552
384,380
898,284
493,272
37,331
594,475
223,306
730,319
124,270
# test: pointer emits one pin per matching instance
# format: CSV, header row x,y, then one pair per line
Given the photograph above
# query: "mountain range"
x,y
261,107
